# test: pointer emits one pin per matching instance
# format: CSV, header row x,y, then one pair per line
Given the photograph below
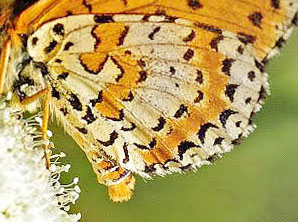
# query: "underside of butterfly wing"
x,y
150,87
154,95
265,24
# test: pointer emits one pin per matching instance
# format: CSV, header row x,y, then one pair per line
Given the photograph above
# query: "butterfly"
x,y
147,87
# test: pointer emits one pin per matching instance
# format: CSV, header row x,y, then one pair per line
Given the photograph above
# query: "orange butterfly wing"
x,y
218,68
262,23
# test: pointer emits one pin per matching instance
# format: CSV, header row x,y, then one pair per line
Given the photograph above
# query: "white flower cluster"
x,y
28,191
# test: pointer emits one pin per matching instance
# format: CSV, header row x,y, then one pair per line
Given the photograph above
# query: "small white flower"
x,y
28,191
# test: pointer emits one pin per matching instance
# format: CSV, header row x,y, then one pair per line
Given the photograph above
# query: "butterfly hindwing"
x,y
156,95
149,86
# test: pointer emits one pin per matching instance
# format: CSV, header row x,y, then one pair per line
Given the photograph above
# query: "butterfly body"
x,y
148,91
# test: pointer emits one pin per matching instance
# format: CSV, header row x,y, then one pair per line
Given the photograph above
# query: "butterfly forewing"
x,y
262,23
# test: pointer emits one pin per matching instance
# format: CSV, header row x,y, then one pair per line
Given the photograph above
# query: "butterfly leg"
x,y
4,59
120,182
45,118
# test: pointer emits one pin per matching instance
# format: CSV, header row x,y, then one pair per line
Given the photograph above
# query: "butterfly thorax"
x,y
24,76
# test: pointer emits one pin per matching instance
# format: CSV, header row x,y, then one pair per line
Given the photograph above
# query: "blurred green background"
x,y
258,181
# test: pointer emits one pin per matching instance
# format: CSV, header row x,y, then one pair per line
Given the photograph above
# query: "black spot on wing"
x,y
82,130
170,19
69,13
215,41
190,37
143,76
89,117
230,91
256,19
182,109
98,99
152,34
58,29
226,66
260,66
140,146
248,100
141,63
251,75
103,19
240,49
224,116
34,41
131,128
146,18
68,45
161,123
152,143
113,136
280,42
127,52
264,61
188,54
200,97
212,158
218,141
194,4
250,121
245,38
75,102
172,70
238,140
50,47
184,146
262,94
150,146
199,78
203,129
238,123
63,76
